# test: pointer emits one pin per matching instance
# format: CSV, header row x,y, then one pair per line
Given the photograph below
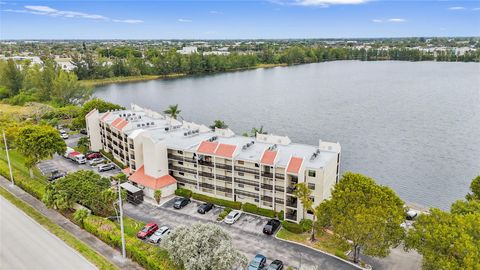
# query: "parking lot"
x,y
246,234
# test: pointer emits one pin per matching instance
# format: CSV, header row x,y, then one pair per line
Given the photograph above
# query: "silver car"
x,y
159,234
233,216
96,161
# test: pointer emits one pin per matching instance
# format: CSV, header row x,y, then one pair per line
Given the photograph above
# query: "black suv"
x,y
271,226
55,175
205,207
180,203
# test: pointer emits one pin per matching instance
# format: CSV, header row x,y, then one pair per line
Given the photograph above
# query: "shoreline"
x,y
141,78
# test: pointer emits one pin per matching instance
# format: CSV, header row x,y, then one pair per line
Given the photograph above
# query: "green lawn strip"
x,y
18,163
324,242
90,254
131,226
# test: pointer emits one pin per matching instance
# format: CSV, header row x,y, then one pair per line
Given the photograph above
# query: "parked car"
x,y
105,167
271,226
148,230
62,131
55,175
83,131
95,161
64,136
159,234
77,157
257,263
205,207
276,265
93,155
233,216
180,203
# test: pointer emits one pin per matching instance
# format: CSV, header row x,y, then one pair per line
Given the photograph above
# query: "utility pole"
x,y
121,218
8,158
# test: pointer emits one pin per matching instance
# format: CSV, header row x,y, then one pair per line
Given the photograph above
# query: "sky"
x,y
248,19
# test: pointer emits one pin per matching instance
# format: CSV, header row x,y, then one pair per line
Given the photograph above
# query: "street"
x,y
25,244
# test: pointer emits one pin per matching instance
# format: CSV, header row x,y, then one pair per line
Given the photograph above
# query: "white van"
x,y
80,159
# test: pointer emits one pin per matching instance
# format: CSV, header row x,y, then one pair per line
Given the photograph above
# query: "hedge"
x,y
32,186
183,192
111,158
217,201
148,256
252,208
292,227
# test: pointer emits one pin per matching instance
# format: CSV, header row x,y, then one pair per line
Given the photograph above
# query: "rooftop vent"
x,y
214,138
315,155
272,148
248,145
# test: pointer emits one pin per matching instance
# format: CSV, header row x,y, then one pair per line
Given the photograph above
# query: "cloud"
x,y
318,3
48,11
215,12
376,21
456,8
476,9
396,20
184,20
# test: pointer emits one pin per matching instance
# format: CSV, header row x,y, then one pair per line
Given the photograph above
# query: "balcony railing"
x,y
191,160
290,190
246,182
205,174
279,188
223,178
267,186
267,198
206,185
175,157
183,169
246,170
205,163
279,176
224,189
292,203
246,193
223,166
267,174
278,200
186,181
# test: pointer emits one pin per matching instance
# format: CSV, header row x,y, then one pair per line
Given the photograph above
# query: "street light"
x,y
8,158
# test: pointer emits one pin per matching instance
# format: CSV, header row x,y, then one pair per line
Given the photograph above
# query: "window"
x,y
241,185
257,165
257,188
241,174
256,200
180,152
180,162
311,186
241,162
181,173
309,212
312,173
313,199
256,177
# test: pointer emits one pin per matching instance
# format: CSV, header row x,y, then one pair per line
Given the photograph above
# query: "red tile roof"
x,y
119,123
225,150
141,178
269,157
207,147
105,116
116,121
294,164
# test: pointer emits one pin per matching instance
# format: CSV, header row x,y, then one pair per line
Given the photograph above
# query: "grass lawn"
x,y
18,164
131,226
22,112
324,242
90,254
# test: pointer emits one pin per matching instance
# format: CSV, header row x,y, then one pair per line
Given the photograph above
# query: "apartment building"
x,y
163,153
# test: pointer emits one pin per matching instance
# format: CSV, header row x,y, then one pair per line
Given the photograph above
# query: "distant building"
x,y
65,63
163,153
188,50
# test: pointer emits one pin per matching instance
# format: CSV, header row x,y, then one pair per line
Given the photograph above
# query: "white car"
x,y
95,161
233,216
64,135
159,234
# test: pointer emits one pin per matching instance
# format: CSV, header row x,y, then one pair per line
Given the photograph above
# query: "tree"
x,y
203,247
67,89
11,77
256,131
365,213
157,195
95,103
446,241
173,111
303,193
475,188
218,124
38,143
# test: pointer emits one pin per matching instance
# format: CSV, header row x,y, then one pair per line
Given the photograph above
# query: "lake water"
x,y
412,126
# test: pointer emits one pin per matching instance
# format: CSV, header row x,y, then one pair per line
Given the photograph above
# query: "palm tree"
x,y
173,111
256,131
303,193
218,124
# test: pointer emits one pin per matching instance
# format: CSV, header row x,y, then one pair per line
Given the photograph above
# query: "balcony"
x,y
206,185
267,198
292,203
278,200
223,166
246,182
191,160
279,188
205,163
185,180
247,170
246,193
205,174
224,189
267,174
279,176
223,178
182,169
290,190
175,157
267,186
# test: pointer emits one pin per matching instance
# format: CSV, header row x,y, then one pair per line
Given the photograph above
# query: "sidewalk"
x,y
108,252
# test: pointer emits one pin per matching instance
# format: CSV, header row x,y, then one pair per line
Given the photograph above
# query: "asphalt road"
x,y
244,238
25,244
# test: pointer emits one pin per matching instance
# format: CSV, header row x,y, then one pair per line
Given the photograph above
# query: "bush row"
x,y
32,186
183,192
148,256
110,156
292,227
217,201
252,208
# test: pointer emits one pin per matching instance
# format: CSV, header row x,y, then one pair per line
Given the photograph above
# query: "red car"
x,y
93,155
148,230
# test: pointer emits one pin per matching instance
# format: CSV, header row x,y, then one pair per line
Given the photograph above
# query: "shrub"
x,y
34,187
292,227
148,256
340,254
217,201
252,208
80,215
281,215
183,192
224,213
306,224
109,156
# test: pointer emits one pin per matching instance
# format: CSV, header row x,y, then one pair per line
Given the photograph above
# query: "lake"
x,y
414,126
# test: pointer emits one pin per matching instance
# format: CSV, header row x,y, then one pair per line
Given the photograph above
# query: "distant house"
x,y
188,50
65,63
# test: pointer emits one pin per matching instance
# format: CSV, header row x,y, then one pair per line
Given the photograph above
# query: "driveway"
x,y
63,164
246,234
